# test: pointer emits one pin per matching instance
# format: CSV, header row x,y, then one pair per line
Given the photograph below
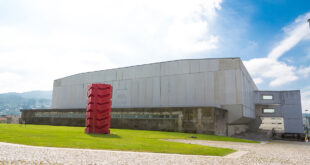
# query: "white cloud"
x,y
271,67
8,78
45,40
266,68
304,71
295,32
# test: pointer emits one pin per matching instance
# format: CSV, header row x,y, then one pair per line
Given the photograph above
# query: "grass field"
x,y
119,139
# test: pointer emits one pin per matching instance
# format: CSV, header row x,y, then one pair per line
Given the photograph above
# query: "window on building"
x,y
267,97
268,110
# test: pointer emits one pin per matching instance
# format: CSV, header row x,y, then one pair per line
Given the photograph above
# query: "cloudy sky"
x,y
44,40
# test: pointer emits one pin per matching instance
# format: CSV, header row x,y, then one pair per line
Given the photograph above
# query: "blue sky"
x,y
44,40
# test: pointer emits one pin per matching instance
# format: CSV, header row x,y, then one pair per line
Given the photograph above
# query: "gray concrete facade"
x,y
223,83
286,104
215,82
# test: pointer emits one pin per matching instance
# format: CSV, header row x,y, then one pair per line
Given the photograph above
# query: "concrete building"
x,y
222,82
283,106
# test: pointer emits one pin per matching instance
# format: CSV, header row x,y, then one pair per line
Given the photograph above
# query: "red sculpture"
x,y
98,110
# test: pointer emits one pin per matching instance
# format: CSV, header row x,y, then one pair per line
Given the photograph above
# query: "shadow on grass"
x,y
104,135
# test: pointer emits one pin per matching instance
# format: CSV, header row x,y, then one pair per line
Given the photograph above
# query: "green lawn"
x,y
119,139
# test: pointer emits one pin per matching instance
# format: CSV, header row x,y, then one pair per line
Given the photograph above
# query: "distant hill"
x,y
11,103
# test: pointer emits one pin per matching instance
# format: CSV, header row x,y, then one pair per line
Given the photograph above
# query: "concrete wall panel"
x,y
248,88
121,93
219,87
209,88
183,67
229,64
230,87
156,92
291,111
199,89
75,94
128,73
194,66
293,125
164,84
235,112
239,87
134,95
209,65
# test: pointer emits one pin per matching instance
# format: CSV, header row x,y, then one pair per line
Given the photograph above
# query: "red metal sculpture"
x,y
98,110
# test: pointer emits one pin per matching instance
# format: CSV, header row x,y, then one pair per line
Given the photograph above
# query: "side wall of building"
x,y
248,92
239,114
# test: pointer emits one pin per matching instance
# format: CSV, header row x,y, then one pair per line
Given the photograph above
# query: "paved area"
x,y
275,152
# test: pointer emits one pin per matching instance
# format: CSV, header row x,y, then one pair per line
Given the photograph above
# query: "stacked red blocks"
x,y
98,110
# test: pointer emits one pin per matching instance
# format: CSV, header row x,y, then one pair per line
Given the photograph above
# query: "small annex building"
x,y
213,95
